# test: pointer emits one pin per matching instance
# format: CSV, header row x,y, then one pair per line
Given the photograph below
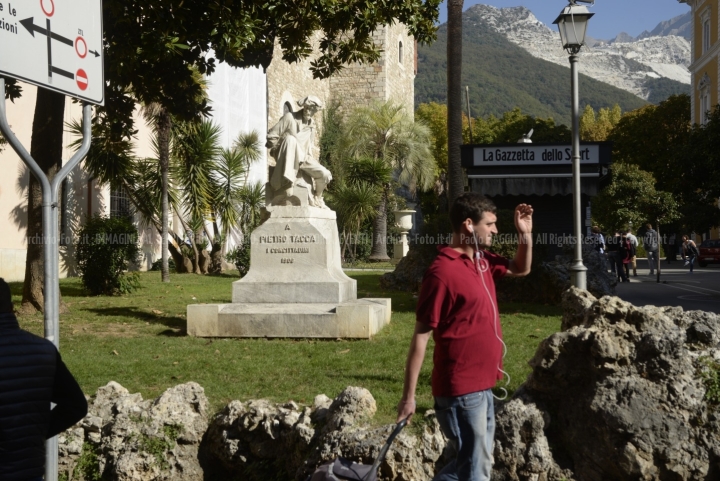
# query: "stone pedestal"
x,y
295,287
295,258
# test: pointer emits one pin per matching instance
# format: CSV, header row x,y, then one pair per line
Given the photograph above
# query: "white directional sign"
x,y
55,44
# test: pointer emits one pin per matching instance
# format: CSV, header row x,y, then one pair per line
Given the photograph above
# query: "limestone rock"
x,y
522,451
352,405
619,395
257,440
126,438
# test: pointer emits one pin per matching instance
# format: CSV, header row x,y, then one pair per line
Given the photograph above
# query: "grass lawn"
x,y
138,340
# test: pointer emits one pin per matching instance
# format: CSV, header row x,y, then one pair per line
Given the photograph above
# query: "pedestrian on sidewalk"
x,y
690,252
627,252
612,248
651,242
634,242
598,239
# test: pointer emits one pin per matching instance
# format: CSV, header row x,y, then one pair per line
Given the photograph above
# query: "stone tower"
x,y
392,77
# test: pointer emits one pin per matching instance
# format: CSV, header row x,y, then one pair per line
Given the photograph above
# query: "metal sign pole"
x,y
50,240
659,258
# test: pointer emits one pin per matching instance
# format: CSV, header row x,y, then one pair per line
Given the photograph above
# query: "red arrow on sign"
x,y
82,79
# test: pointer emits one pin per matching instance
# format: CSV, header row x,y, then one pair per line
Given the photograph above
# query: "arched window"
x,y
400,52
706,26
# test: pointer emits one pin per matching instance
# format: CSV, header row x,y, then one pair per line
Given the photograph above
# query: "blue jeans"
x,y
652,260
469,424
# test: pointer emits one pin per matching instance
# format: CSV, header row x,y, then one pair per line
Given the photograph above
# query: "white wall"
x,y
239,104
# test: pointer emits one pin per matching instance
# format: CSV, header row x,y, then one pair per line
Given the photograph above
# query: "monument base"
x,y
358,319
296,286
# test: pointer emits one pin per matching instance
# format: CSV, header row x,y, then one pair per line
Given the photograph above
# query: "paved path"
x,y
697,291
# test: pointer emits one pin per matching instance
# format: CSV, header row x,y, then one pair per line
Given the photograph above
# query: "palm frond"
x,y
386,131
354,203
247,145
229,177
196,147
251,200
109,160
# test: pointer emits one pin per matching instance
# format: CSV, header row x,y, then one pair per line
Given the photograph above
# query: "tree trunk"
x,y
456,180
183,264
196,256
379,240
46,148
164,127
203,261
216,254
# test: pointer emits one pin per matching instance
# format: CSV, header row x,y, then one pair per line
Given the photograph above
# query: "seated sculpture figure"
x,y
291,143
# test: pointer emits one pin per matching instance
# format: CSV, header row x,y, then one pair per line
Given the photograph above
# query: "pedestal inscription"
x,y
295,258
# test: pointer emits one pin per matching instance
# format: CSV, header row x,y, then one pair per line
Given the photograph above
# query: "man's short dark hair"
x,y
6,305
469,206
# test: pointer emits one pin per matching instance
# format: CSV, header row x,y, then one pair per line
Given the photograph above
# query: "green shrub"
x,y
240,256
157,265
105,248
709,372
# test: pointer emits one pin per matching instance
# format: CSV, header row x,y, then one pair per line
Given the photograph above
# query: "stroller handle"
x,y
398,427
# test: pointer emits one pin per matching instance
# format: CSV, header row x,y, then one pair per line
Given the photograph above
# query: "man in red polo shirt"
x,y
457,304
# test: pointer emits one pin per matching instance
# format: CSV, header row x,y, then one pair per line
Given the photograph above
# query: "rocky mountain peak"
x,y
624,37
625,62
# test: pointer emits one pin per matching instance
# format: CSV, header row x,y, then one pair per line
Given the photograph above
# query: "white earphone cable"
x,y
480,267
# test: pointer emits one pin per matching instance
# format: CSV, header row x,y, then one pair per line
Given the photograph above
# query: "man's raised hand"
x,y
523,218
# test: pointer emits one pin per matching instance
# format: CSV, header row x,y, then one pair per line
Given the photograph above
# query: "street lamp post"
x,y
572,23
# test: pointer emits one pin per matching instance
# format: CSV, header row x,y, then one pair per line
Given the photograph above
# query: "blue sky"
x,y
611,16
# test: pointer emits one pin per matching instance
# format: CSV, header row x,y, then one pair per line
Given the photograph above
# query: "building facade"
x,y
705,78
242,100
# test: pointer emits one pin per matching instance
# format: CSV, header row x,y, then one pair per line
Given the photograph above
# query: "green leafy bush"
x,y
105,248
157,265
240,256
709,372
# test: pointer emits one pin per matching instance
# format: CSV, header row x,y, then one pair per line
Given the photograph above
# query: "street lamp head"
x,y
572,23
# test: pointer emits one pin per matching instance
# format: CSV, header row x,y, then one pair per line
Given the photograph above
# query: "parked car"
x,y
709,252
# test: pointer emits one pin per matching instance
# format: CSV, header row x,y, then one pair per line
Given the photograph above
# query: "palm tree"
x,y
236,204
456,182
161,121
387,132
196,147
356,196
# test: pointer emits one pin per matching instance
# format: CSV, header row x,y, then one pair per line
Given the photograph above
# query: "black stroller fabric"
x,y
345,470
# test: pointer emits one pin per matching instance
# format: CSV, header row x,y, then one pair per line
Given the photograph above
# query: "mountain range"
x,y
512,59
680,26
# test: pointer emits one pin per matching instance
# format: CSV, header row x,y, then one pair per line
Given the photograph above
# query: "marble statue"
x,y
297,177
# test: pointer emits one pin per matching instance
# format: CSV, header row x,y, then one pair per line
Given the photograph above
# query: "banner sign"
x,y
529,154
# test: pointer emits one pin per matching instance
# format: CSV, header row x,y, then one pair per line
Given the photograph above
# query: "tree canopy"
x,y
631,198
683,158
597,127
507,128
154,50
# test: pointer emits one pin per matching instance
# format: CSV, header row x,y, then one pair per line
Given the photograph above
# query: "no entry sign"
x,y
55,44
